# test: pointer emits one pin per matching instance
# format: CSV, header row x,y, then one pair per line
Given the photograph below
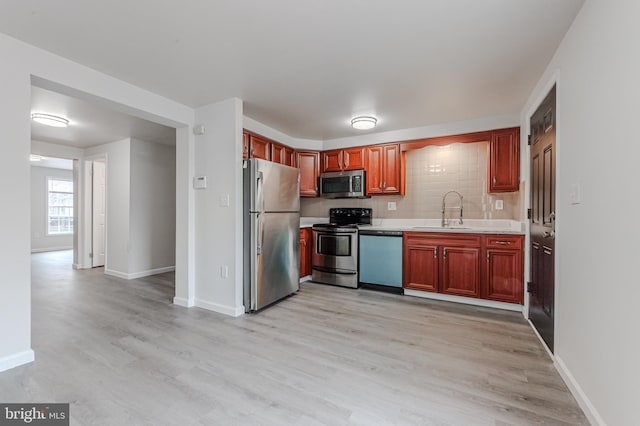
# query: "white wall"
x,y
152,240
40,241
118,158
218,156
15,140
597,346
23,65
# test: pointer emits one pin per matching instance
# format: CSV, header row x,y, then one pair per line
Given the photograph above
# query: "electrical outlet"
x,y
224,271
391,205
224,200
499,204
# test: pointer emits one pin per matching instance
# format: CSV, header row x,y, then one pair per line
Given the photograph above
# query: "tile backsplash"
x,y
431,172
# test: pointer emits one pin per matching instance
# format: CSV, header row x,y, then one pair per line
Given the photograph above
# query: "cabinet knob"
x,y
494,180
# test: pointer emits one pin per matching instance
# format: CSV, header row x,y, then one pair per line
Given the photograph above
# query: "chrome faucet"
x,y
444,197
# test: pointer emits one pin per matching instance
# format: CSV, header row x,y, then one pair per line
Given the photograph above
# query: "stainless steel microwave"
x,y
347,184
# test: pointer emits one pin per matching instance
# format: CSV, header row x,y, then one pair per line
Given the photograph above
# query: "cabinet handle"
x,y
435,253
494,181
487,257
253,152
444,253
504,243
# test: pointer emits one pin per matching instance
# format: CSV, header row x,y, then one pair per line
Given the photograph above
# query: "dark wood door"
x,y
391,169
374,163
543,216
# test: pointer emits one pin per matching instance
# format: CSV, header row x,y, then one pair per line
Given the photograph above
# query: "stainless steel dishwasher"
x,y
380,263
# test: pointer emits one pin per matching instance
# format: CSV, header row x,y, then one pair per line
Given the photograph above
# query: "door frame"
x,y
525,167
87,211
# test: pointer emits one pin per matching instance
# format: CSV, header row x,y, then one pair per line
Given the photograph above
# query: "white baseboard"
x,y
465,300
16,360
305,279
118,274
140,274
185,303
221,309
577,392
45,249
151,272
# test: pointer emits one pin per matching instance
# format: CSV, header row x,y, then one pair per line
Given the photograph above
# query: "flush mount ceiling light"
x,y
49,120
364,122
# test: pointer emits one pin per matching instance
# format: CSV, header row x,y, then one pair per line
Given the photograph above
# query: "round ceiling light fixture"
x,y
49,119
364,122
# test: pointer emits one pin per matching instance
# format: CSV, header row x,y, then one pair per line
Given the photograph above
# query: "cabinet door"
x,y
289,157
420,267
277,153
461,271
373,166
259,147
309,165
332,161
391,169
503,279
305,253
504,160
245,145
353,158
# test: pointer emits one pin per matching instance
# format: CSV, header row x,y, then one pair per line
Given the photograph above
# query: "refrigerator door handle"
x,y
260,234
260,192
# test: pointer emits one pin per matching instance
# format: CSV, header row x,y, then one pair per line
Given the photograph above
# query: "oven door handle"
x,y
333,271
331,232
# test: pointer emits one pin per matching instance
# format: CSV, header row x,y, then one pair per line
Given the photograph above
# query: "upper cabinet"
x,y
245,145
384,167
338,160
259,147
504,161
309,165
283,154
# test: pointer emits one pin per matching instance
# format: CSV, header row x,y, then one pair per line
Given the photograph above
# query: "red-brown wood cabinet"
x,y
337,160
305,251
309,165
383,164
451,263
504,161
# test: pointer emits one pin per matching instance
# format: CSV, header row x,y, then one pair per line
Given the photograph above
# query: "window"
x,y
59,206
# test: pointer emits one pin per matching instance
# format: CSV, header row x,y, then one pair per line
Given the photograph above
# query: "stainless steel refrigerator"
x,y
271,232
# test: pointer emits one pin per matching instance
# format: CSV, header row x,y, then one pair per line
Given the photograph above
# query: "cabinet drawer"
x,y
504,241
445,239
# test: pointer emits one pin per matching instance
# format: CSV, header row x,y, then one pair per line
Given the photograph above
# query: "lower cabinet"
x,y
453,264
305,252
504,269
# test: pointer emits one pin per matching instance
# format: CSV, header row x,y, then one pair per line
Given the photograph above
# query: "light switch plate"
x,y
574,194
224,200
499,204
391,205
199,182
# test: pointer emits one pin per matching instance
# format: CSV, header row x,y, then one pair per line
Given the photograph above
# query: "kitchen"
x,y
402,188
595,74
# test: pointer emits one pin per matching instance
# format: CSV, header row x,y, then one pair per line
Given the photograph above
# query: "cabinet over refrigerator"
x,y
271,224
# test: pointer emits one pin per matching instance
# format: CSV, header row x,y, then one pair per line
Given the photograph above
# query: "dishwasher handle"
x,y
382,233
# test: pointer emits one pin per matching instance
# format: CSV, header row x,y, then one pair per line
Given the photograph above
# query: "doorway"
x,y
543,218
98,212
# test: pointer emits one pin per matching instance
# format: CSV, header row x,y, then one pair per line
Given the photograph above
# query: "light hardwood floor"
x,y
122,354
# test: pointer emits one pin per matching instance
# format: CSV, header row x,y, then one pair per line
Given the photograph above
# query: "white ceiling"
x,y
90,124
306,67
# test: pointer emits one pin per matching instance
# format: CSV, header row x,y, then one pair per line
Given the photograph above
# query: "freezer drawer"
x,y
381,260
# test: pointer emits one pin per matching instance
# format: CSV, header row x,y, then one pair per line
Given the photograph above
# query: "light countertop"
x,y
471,226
